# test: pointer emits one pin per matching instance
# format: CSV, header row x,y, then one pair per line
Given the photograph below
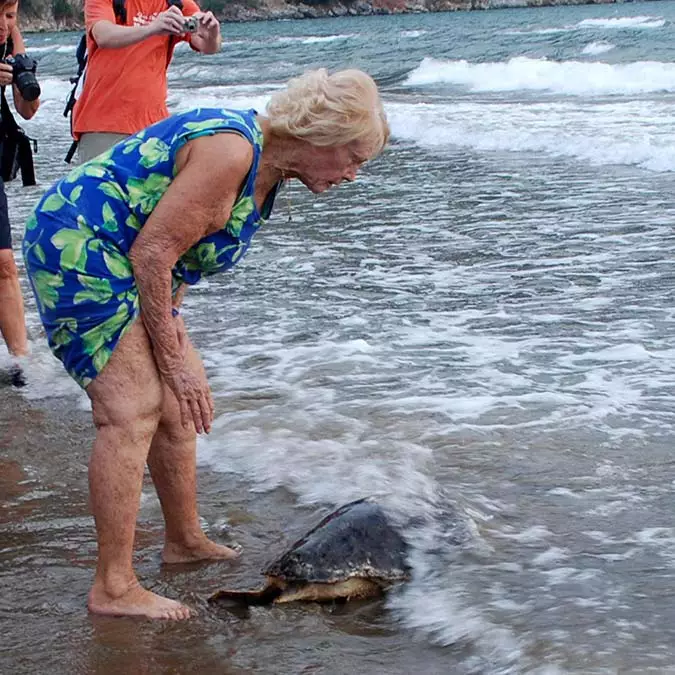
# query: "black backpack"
x,y
119,7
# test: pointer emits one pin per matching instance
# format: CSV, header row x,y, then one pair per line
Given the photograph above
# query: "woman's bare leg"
x,y
126,403
172,463
12,319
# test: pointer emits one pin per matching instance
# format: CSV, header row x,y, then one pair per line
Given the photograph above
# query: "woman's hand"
x,y
6,74
194,397
191,389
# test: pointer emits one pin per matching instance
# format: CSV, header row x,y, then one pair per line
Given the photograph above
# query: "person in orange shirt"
x,y
125,84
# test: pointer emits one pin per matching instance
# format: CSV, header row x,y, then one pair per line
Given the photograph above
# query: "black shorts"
x,y
5,230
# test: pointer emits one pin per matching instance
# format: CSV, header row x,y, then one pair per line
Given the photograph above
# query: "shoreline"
x,y
280,10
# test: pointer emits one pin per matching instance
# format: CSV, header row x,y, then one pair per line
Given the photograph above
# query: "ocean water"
x,y
479,331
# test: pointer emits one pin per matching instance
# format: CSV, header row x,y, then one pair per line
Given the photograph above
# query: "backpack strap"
x,y
120,9
8,122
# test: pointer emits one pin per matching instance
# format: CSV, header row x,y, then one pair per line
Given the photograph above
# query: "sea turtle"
x,y
352,553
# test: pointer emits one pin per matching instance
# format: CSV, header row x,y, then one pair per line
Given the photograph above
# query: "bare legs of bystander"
x,y
12,319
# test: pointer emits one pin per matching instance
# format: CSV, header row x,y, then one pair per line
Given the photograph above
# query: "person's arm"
x,y
25,108
207,39
109,35
197,203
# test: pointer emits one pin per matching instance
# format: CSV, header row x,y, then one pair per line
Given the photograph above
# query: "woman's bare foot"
x,y
203,549
135,601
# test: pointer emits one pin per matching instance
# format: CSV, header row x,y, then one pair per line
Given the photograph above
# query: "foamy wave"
x,y
624,22
573,78
330,470
226,96
54,89
53,48
39,50
45,375
629,133
595,48
539,31
313,39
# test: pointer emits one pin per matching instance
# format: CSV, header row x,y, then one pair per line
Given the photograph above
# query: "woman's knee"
x,y
172,432
128,390
121,403
133,418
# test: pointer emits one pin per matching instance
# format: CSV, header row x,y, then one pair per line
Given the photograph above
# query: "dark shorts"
x,y
5,230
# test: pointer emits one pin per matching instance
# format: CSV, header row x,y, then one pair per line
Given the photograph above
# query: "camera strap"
x,y
17,147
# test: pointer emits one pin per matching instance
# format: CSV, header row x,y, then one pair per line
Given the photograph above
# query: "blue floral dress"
x,y
78,239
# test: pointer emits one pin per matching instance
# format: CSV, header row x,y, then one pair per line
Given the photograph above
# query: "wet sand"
x,y
47,555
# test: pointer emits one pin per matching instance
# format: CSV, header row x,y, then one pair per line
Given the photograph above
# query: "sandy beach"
x,y
47,558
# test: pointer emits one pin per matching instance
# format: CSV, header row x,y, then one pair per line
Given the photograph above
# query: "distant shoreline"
x,y
241,11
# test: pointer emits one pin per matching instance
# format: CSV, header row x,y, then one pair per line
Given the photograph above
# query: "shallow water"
x,y
479,331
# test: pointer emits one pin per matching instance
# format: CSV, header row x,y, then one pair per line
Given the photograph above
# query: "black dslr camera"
x,y
23,75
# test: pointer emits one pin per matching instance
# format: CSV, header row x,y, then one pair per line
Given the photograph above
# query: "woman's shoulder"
x,y
198,119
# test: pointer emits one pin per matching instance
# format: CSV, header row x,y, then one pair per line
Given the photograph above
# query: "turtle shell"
x,y
354,541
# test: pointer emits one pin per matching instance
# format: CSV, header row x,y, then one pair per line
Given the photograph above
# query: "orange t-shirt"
x,y
125,89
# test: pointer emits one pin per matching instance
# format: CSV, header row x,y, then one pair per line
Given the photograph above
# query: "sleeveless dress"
x,y
78,238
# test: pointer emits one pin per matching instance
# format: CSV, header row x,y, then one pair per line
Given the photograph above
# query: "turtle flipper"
x,y
342,590
262,596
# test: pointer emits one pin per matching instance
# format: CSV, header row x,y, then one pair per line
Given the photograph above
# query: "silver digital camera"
x,y
190,24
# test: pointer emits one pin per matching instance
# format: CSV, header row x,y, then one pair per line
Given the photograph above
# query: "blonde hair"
x,y
330,109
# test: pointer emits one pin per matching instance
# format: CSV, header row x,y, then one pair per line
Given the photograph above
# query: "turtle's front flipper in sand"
x,y
263,596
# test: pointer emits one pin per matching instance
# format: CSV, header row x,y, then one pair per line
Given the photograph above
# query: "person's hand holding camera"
x,y
20,70
6,74
209,27
169,22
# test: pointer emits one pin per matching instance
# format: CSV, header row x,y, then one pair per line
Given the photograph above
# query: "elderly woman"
x,y
118,239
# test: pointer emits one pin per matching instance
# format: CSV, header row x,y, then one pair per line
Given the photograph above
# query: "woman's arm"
x,y
25,108
197,203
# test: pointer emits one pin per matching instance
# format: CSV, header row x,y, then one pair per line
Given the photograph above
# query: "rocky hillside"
x,y
67,14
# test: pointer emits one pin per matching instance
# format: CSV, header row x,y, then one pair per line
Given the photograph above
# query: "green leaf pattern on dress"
x,y
240,212
66,331
96,290
73,247
153,152
96,338
47,288
77,241
145,193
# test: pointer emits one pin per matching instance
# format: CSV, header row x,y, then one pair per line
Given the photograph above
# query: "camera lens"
x,y
28,86
24,76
